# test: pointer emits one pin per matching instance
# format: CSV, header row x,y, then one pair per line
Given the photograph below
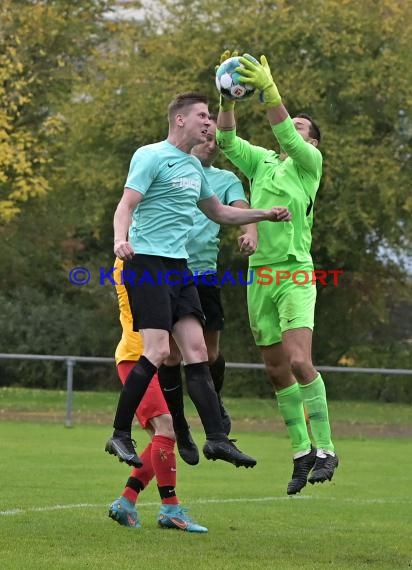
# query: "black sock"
x,y
170,380
217,370
132,393
135,484
166,492
203,395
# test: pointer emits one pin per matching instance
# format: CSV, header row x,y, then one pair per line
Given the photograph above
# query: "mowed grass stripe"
x,y
143,504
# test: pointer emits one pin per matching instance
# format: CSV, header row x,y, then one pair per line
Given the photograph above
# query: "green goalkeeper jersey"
x,y
291,182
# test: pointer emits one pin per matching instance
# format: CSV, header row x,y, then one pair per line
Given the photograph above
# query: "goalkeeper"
x,y
281,313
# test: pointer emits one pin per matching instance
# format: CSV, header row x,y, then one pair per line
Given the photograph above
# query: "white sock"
x,y
301,454
324,452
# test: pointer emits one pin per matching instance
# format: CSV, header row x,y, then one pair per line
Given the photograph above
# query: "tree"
x,y
22,160
44,48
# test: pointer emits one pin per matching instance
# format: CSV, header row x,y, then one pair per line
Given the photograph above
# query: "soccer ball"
x,y
227,80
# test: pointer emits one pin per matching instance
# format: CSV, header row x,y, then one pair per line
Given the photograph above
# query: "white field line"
x,y
375,501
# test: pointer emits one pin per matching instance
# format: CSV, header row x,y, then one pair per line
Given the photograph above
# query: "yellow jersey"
x,y
130,346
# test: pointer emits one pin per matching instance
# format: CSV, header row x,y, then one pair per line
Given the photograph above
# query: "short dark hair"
x,y
183,100
314,127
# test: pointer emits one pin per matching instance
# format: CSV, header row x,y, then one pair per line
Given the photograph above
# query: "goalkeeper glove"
x,y
260,77
226,104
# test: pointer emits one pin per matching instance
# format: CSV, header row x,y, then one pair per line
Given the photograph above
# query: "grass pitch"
x,y
56,485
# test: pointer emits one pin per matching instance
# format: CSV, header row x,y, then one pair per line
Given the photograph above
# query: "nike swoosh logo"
x,y
119,451
171,164
290,320
131,520
179,523
170,389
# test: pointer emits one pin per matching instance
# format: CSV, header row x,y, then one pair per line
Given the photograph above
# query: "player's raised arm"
x,y
259,76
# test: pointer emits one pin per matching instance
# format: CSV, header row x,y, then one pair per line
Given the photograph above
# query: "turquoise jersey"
x,y
292,182
203,241
172,182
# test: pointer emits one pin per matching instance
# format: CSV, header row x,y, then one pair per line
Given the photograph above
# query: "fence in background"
x,y
71,361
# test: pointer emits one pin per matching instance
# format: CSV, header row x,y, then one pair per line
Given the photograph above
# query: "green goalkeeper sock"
x,y
291,408
314,399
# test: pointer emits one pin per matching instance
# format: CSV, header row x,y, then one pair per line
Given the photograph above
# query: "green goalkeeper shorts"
x,y
281,297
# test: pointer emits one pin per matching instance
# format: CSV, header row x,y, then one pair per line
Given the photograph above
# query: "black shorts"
x,y
211,303
161,290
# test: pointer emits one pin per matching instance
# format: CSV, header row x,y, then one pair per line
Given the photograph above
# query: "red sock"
x,y
140,477
164,465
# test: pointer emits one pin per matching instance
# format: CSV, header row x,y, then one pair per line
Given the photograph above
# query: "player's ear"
x,y
179,120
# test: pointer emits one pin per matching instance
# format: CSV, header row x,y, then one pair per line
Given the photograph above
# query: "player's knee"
x,y
276,372
158,354
172,360
301,367
212,356
197,352
164,426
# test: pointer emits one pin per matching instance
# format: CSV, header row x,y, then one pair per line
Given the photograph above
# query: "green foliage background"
x,y
82,88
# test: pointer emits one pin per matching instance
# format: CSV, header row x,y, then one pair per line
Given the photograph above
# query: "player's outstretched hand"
x,y
260,77
247,244
279,214
123,250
